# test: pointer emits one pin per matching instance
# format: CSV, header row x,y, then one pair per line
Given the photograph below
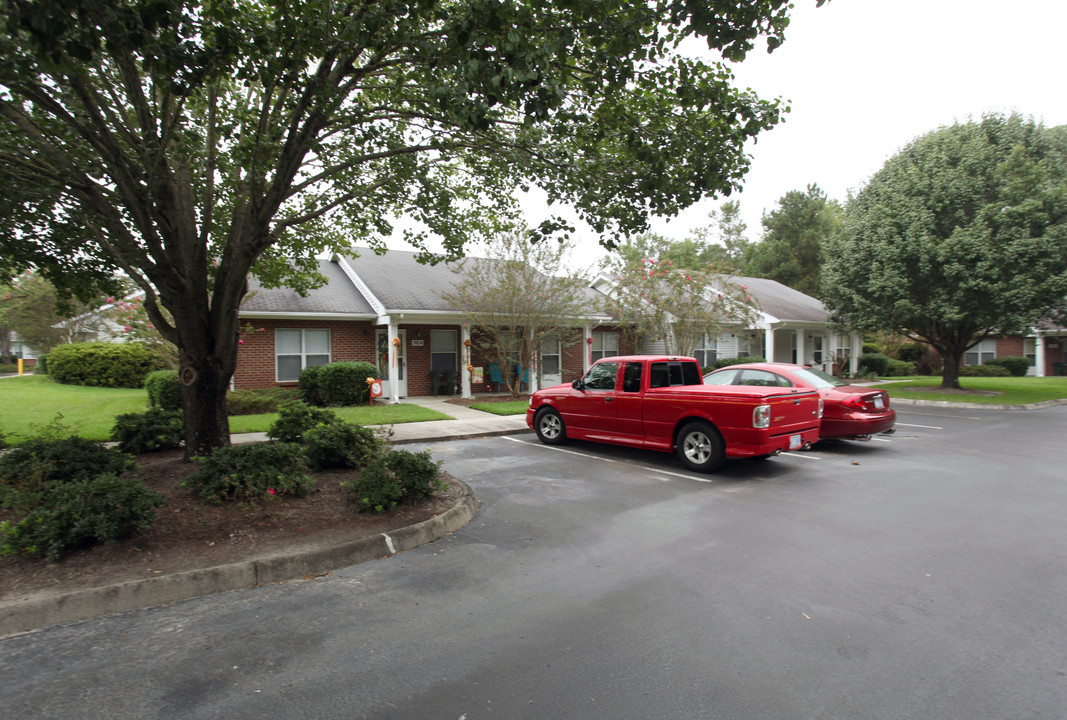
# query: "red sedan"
x,y
850,412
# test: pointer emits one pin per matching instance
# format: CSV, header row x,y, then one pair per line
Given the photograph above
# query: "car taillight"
x,y
854,402
820,408
761,417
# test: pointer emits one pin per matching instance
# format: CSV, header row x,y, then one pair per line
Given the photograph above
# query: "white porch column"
x,y
854,356
769,330
1039,352
801,351
535,365
587,340
464,351
394,372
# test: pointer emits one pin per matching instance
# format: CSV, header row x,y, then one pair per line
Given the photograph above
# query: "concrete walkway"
x,y
465,423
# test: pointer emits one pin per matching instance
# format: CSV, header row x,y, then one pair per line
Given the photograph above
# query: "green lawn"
x,y
1011,390
31,402
376,415
506,407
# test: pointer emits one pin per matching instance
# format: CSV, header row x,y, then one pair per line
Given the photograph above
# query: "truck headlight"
x,y
761,417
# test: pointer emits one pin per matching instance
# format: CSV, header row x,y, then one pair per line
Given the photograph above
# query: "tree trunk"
x,y
950,375
204,384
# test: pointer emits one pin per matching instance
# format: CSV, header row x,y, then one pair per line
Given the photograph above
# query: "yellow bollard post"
x,y
20,367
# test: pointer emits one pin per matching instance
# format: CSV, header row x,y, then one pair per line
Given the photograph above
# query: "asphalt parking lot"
x,y
914,576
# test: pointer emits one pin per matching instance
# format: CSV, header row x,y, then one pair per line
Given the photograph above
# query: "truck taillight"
x,y
820,408
761,417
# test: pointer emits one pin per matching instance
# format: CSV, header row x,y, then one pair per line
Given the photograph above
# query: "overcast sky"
x,y
865,77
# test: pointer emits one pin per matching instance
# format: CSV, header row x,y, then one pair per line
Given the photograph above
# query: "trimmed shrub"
x,y
102,364
340,444
154,429
345,383
1017,366
29,471
725,362
392,477
295,419
84,511
870,348
250,472
900,368
255,402
984,371
876,363
41,368
164,389
307,385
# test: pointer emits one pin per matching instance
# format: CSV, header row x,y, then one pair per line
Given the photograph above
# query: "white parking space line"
x,y
800,456
885,440
927,427
609,460
954,417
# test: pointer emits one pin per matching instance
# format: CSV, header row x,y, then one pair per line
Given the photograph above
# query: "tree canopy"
x,y
190,143
793,236
960,236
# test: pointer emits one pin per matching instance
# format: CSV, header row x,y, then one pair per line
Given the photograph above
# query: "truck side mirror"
x,y
578,384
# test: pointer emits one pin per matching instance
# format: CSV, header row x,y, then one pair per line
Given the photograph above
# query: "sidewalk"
x,y
467,423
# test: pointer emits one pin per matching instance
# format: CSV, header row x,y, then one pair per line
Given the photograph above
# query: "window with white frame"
x,y
295,350
980,353
1030,350
605,344
706,351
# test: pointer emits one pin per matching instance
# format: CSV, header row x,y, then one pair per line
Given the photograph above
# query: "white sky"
x,y
865,77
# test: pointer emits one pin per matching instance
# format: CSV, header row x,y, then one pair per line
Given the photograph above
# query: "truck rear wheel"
x,y
699,446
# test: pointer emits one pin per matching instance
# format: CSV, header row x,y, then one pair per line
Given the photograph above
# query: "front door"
x,y
551,362
401,363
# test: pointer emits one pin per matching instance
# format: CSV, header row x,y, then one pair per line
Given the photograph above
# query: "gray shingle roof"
x,y
783,302
401,283
338,295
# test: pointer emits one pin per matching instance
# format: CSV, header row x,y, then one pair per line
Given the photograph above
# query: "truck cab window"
x,y
631,377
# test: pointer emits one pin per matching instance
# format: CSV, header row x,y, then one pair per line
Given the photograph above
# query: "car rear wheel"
x,y
700,447
549,427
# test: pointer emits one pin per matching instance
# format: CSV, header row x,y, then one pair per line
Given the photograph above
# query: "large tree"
x,y
516,296
960,236
793,237
189,143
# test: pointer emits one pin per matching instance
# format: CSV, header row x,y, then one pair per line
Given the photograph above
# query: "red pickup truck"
x,y
662,403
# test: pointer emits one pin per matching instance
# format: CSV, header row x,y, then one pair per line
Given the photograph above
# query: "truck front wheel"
x,y
700,447
549,427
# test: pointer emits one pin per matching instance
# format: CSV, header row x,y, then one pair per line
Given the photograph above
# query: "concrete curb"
x,y
977,406
33,613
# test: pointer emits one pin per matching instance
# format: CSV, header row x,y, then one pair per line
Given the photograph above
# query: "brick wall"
x,y
349,340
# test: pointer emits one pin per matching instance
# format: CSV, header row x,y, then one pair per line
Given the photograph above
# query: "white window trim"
x,y
303,350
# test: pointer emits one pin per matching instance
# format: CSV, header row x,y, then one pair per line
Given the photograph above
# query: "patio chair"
x,y
495,376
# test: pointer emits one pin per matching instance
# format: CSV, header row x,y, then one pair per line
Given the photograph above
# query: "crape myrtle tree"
x,y
655,299
960,236
188,144
517,295
29,306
